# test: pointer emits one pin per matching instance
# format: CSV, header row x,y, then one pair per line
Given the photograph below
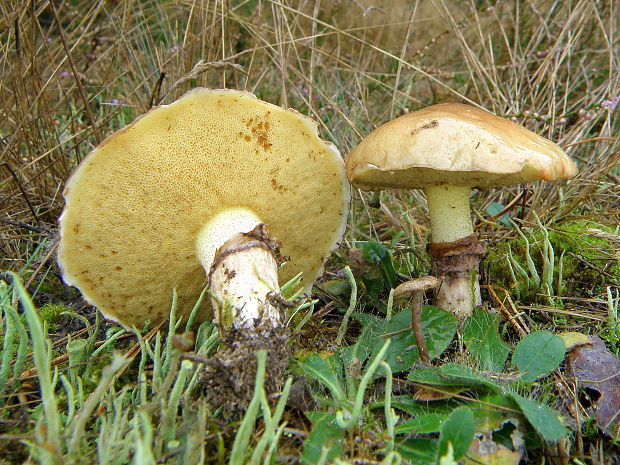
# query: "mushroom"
x,y
447,150
413,290
203,183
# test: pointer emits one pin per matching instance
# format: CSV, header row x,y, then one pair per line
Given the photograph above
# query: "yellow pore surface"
x,y
136,203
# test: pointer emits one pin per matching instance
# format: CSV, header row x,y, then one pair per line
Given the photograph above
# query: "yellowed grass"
x,y
73,73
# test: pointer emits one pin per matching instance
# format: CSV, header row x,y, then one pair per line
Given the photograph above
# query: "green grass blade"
x,y
41,353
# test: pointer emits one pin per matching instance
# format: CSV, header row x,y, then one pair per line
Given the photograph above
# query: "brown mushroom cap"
x,y
421,284
136,203
456,144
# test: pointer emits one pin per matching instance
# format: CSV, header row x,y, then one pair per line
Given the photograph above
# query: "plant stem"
x,y
416,325
352,303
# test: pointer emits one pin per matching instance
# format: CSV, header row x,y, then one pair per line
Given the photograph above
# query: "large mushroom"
x,y
201,185
447,150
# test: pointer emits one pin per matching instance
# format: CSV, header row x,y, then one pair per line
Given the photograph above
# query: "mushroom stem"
x,y
414,291
416,326
241,260
455,251
448,207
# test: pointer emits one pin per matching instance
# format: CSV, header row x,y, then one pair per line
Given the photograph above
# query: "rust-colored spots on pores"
x,y
277,186
260,132
245,137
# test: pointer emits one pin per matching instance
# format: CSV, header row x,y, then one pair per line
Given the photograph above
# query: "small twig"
x,y
324,311
157,90
416,325
17,39
32,372
510,206
80,87
21,189
614,178
515,319
19,224
194,357
456,395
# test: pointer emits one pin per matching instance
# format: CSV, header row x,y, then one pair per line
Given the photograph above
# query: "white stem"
x,y
459,295
450,214
243,271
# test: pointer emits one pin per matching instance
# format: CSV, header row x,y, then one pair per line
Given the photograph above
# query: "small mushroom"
x,y
414,291
201,185
449,149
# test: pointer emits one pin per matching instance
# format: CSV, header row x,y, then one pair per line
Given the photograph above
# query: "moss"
x,y
587,262
51,286
50,314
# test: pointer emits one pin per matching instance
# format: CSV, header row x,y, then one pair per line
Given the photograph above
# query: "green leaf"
x,y
545,420
423,424
458,431
468,375
337,287
415,408
452,374
325,433
538,354
481,336
374,252
495,208
317,368
495,406
438,325
418,451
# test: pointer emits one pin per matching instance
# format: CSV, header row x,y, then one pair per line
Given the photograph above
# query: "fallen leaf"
x,y
573,340
485,450
597,373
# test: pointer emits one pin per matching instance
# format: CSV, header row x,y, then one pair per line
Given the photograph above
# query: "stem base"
x,y
456,265
228,377
243,280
